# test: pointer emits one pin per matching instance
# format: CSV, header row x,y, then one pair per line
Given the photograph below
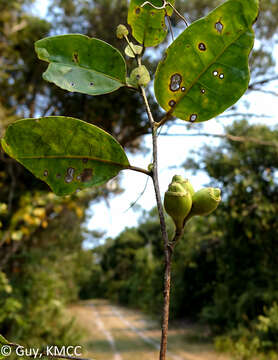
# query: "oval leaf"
x,y
147,23
79,63
68,154
206,70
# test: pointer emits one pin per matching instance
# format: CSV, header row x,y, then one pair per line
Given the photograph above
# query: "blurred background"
x,y
105,243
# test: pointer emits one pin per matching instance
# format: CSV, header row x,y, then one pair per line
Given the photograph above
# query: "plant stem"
x,y
167,286
138,169
167,249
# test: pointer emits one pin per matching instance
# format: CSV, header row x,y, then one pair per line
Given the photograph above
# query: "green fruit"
x,y
178,179
140,76
177,203
185,183
132,50
205,201
122,31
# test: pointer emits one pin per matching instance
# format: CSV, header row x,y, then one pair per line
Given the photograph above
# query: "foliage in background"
x,y
38,231
225,268
29,219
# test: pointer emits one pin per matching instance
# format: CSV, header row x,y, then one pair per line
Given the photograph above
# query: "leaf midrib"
x,y
88,69
78,157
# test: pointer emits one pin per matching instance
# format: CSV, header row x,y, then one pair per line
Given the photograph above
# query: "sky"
x,y
115,215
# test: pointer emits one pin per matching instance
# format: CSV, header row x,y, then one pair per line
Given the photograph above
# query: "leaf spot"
x,y
175,83
69,176
193,117
219,26
72,84
202,47
203,91
172,103
58,176
45,173
215,73
91,84
138,10
183,89
84,161
221,76
86,175
75,58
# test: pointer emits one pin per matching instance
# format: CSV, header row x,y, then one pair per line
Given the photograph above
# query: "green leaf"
x,y
4,342
206,70
79,63
147,23
68,154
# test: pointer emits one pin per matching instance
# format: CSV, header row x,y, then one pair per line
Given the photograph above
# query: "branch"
x,y
167,251
138,169
262,82
266,91
168,116
230,137
243,115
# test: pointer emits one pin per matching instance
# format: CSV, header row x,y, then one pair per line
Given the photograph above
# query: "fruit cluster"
x,y
181,202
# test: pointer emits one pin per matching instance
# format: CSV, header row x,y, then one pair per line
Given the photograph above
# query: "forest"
x,y
224,267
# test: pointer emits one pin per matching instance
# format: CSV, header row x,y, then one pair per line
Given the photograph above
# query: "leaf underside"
x,y
205,70
82,64
147,23
68,154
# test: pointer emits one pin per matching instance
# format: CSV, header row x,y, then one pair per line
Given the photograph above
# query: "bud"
x,y
122,31
177,203
185,183
205,201
140,76
150,167
131,50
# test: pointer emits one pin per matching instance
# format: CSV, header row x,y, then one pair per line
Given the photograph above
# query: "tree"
x,y
245,254
215,47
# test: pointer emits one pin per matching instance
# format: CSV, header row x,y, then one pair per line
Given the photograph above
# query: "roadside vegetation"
x,y
224,271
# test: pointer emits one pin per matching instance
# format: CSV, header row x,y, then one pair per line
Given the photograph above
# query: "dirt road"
x,y
117,333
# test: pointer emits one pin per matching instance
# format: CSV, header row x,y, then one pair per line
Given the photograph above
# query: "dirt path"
x,y
117,333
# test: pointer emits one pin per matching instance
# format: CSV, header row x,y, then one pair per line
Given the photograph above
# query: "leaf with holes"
x,y
147,23
205,70
82,64
68,154
4,350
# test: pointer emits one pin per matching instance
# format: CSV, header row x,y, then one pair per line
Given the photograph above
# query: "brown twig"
x,y
230,137
167,249
262,82
138,169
